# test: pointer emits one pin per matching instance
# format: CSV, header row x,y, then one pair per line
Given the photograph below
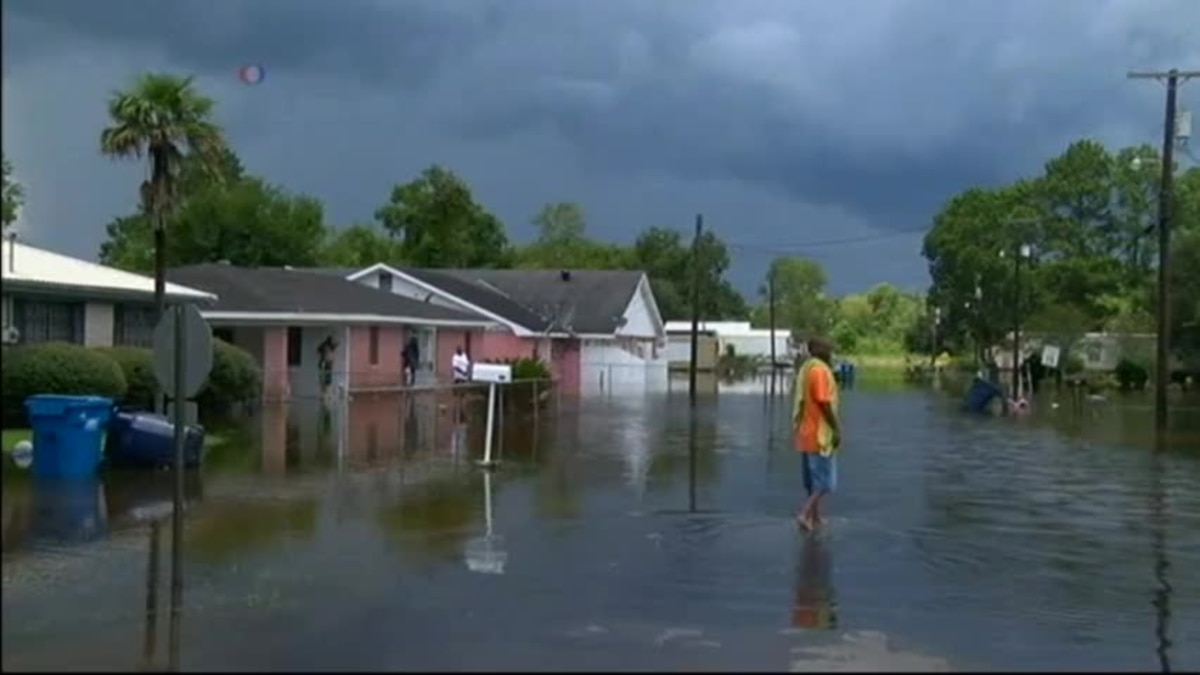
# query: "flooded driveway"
x,y
629,534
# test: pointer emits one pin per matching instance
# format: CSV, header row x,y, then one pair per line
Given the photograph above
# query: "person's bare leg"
x,y
805,519
816,509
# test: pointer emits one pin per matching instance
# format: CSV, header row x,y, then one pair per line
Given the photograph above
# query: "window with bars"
x,y
48,321
133,325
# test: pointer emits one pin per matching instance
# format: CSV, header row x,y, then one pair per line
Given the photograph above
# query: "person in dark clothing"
x,y
412,358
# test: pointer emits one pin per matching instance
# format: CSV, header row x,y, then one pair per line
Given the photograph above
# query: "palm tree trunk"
x,y
160,267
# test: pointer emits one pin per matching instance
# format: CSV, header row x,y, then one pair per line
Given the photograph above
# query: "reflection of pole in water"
x,y
692,449
1158,545
150,636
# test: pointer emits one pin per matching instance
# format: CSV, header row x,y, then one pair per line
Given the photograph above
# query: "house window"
x,y
373,346
385,281
49,321
133,325
223,334
295,342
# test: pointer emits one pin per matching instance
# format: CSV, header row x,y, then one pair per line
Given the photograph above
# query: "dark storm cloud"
x,y
775,114
362,41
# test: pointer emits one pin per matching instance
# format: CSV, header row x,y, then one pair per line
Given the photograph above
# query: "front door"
x,y
427,344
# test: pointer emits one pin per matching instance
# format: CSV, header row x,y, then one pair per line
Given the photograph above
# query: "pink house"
x,y
291,320
600,330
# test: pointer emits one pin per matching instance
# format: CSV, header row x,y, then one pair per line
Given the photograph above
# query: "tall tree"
x,y
438,223
359,245
13,196
562,243
668,260
560,223
801,304
164,118
223,215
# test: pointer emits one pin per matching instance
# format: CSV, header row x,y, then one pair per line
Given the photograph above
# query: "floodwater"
x,y
627,533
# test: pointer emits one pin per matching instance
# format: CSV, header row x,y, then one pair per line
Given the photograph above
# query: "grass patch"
x,y
13,436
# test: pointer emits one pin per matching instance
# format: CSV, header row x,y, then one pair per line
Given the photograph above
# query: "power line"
x,y
783,249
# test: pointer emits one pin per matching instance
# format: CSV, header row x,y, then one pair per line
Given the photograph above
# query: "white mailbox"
x,y
495,373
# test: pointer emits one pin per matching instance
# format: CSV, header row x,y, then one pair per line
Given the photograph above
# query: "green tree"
x,y
164,118
884,320
560,223
13,196
669,262
969,250
224,216
359,246
439,224
1185,282
562,243
801,303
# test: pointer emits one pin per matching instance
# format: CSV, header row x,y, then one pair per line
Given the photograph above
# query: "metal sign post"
x,y
183,352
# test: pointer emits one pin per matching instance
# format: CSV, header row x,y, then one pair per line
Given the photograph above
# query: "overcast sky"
x,y
832,128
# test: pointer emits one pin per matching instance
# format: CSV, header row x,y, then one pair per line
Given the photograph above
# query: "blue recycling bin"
x,y
68,433
68,511
980,395
141,440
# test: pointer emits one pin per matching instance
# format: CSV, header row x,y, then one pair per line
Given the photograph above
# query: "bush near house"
x,y
55,368
235,380
137,364
532,378
125,374
1131,376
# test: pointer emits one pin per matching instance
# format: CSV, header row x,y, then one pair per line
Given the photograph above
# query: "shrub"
x,y
235,380
530,369
56,368
137,364
1131,376
1073,365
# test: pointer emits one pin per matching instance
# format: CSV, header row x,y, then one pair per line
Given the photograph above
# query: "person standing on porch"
x,y
411,356
461,366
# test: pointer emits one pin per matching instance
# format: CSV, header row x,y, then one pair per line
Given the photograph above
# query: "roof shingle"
x,y
273,290
578,301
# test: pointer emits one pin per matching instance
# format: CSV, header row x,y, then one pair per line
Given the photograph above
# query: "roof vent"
x,y
565,275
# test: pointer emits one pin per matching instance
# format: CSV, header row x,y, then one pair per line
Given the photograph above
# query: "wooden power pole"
x,y
695,355
1162,372
771,315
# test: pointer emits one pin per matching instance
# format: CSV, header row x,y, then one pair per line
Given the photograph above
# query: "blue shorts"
x,y
820,473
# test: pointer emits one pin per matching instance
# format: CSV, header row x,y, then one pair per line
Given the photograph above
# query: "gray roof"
x,y
300,291
579,301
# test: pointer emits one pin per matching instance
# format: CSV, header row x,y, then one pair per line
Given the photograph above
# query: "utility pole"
x,y
695,311
1162,372
771,314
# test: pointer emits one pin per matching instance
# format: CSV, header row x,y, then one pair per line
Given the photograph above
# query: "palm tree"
x,y
164,118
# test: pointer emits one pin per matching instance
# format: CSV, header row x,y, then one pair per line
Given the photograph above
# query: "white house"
x,y
599,330
51,297
736,335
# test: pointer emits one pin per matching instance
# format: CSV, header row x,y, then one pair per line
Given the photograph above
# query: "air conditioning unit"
x,y
10,335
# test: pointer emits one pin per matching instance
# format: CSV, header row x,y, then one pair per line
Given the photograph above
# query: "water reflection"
x,y
815,605
1162,566
486,554
366,538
